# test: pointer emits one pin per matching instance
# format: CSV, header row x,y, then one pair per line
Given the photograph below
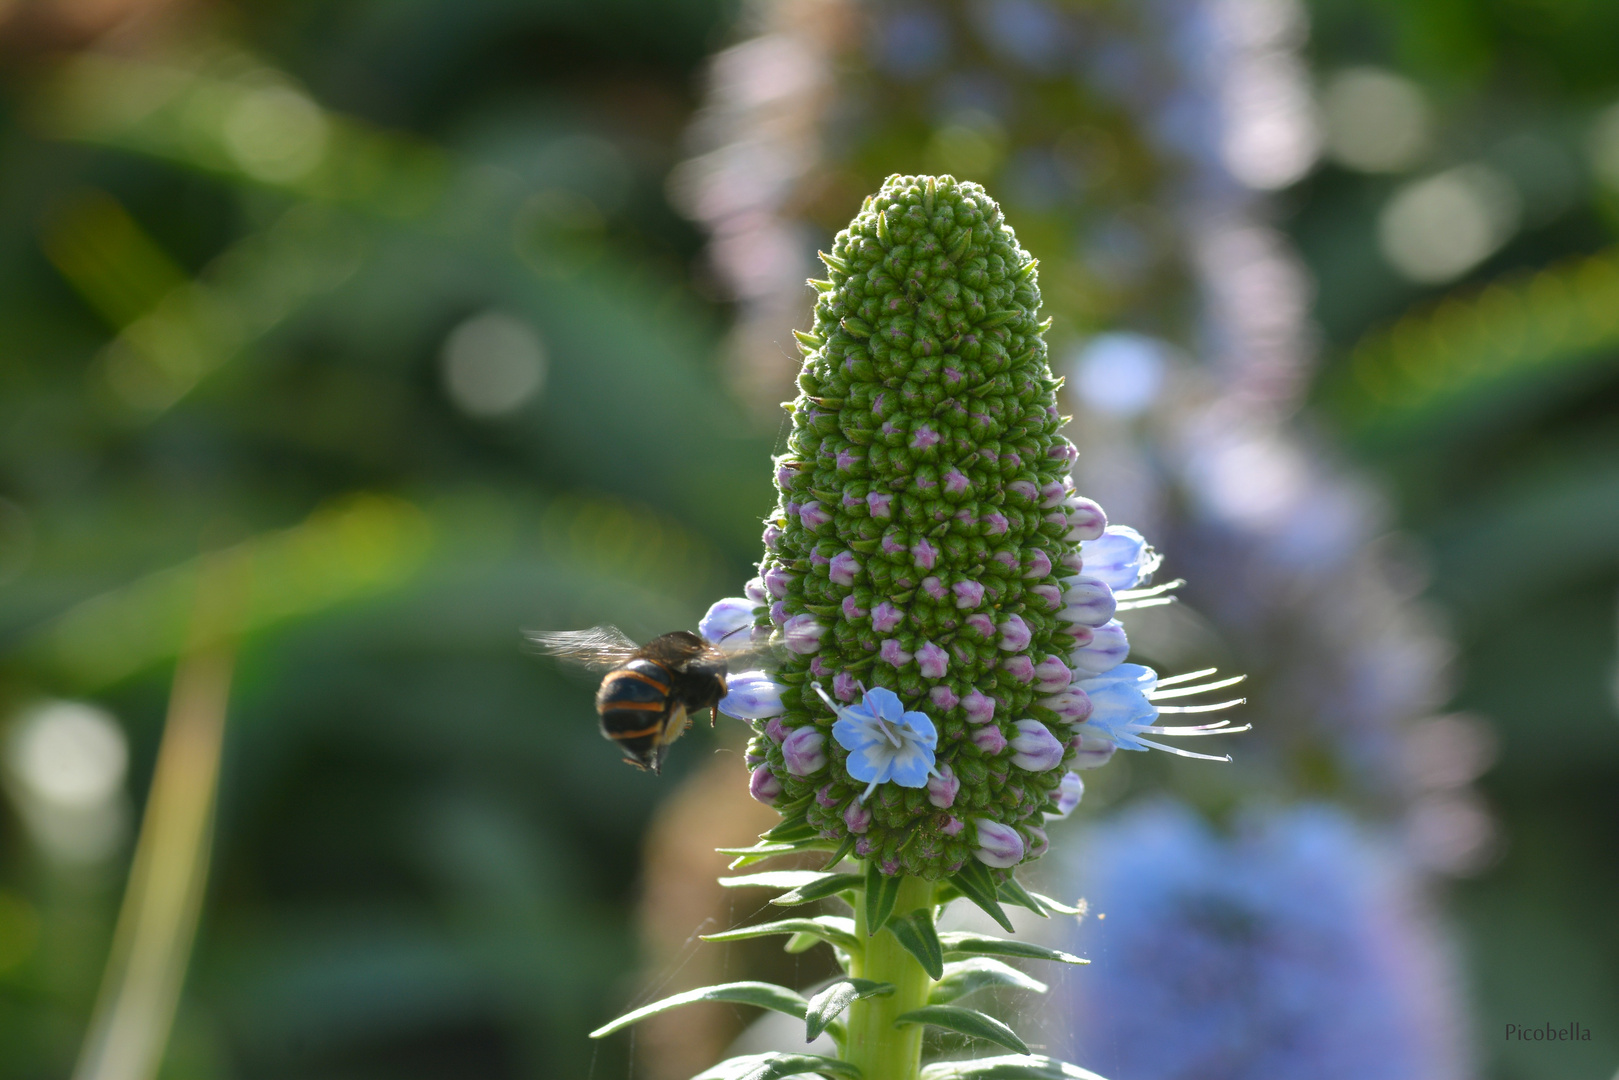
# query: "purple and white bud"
x,y
1019,667
979,706
857,817
1062,452
934,587
778,613
823,796
1015,634
890,652
952,826
881,504
989,739
1052,675
819,668
931,660
844,686
944,699
942,788
814,515
1086,520
1052,493
1024,490
1035,748
1073,705
1069,792
763,785
784,475
844,568
1108,649
1006,559
1039,564
885,616
755,590
955,482
995,523
1075,634
1120,557
1039,844
969,594
752,695
803,634
1087,601
727,623
999,845
983,624
804,750
924,437
1072,561
1049,594
777,580
1092,750
776,730
925,553
851,609
893,544
772,536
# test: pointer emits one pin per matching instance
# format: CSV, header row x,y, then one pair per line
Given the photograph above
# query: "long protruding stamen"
x,y
1136,605
1203,708
1204,729
1201,688
1187,676
1178,752
1156,590
888,732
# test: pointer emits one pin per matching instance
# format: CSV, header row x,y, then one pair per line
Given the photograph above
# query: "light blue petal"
x,y
925,731
867,765
885,703
911,768
855,734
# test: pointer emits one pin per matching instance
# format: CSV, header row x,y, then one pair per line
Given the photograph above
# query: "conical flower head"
x,y
923,518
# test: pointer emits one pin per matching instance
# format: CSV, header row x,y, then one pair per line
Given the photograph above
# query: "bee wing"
x,y
758,656
601,648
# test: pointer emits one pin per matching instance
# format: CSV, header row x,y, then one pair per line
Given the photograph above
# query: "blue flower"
x,y
884,741
1124,707
1121,557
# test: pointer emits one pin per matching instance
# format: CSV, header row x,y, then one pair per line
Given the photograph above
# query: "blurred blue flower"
x,y
1292,949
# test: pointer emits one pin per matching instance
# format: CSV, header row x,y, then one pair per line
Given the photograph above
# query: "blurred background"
x,y
341,341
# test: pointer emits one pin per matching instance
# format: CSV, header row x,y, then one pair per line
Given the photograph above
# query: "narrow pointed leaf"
x,y
825,885
775,1066
1013,893
825,1006
978,885
760,852
792,830
800,943
966,1022
1008,1068
970,976
959,944
765,995
881,892
1058,906
835,929
841,853
773,879
916,932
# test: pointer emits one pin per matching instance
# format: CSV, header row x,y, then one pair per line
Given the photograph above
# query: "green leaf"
x,y
960,944
1007,1068
1013,893
827,885
800,943
1059,907
791,830
775,1066
841,853
760,852
834,929
765,995
916,932
978,885
970,976
881,892
773,879
966,1022
829,1003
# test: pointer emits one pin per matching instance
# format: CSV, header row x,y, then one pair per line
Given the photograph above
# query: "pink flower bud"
x,y
890,652
777,580
979,706
969,594
942,788
1073,705
813,515
755,590
1015,634
983,624
852,610
857,817
763,785
803,634
1086,521
995,523
999,845
1039,564
778,613
989,739
1048,594
1088,601
1091,750
881,504
1063,452
926,554
1052,494
1072,560
772,536
784,474
934,587
1019,667
823,796
804,750
1024,490
844,568
943,698
885,616
1075,634
1035,748
932,661
776,730
924,437
952,826
955,481
1052,675
1038,844
844,686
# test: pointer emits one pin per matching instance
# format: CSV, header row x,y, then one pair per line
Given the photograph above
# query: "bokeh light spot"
x,y
1120,373
276,134
1376,121
1437,229
493,364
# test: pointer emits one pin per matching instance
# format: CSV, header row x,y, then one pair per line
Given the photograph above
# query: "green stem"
x,y
881,1050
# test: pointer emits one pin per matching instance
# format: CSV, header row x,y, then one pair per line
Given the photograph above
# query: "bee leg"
x,y
713,715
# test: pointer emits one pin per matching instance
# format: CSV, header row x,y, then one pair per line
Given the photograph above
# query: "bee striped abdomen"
x,y
634,703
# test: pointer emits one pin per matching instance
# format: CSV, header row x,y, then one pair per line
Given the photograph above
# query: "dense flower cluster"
x,y
944,599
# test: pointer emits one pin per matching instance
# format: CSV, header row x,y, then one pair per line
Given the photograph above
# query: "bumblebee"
x,y
649,692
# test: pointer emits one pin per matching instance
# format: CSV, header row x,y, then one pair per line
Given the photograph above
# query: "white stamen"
x,y
1203,708
1137,594
1187,677
1136,605
1188,691
1186,732
1178,752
